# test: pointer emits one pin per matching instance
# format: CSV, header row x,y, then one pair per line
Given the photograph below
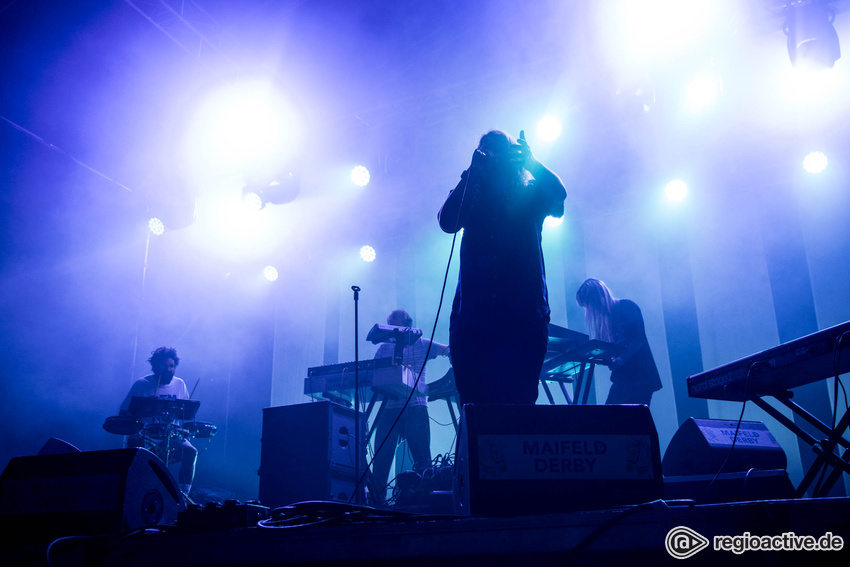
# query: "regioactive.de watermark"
x,y
683,542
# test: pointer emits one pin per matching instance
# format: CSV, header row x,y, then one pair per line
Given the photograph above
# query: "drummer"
x,y
163,384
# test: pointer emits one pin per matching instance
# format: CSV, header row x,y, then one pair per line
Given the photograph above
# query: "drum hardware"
x,y
163,409
166,449
164,431
200,429
162,435
125,425
165,440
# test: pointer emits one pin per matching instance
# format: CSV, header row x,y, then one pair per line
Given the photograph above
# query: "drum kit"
x,y
160,425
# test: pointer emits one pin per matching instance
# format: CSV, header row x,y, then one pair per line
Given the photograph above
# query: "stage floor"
x,y
336,534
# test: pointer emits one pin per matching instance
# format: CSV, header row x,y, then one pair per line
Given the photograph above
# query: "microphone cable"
x,y
430,341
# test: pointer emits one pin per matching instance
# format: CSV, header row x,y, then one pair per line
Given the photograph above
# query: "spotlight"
x,y
676,190
252,200
549,128
270,273
815,162
173,204
367,253
360,176
155,225
243,126
258,193
653,28
812,40
703,91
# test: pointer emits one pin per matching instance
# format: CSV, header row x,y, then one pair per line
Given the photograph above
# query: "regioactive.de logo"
x,y
683,542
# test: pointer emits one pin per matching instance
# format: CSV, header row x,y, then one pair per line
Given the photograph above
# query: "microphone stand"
x,y
357,498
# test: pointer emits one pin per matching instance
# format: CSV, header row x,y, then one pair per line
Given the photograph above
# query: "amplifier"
x,y
522,460
308,453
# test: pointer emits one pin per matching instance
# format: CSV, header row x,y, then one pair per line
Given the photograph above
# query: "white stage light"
x,y
360,176
676,190
252,201
155,226
655,27
367,253
549,128
244,127
815,162
270,273
703,91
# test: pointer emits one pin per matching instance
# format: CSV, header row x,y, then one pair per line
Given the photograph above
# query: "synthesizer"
x,y
808,359
337,383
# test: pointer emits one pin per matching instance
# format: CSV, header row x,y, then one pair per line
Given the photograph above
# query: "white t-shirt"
x,y
147,387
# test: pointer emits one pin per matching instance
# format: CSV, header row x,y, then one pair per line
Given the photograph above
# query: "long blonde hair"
x,y
597,301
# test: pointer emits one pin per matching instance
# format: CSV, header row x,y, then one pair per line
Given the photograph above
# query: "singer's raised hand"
x,y
527,157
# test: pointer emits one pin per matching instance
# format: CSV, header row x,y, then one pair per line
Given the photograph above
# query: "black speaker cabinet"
x,y
700,447
308,453
96,492
520,460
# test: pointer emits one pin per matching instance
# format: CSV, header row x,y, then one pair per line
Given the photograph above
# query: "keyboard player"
x,y
634,374
414,424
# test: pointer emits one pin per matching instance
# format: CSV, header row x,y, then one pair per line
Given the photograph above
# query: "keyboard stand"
x,y
824,448
582,381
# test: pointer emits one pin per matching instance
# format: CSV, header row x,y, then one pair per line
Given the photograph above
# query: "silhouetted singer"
x,y
499,323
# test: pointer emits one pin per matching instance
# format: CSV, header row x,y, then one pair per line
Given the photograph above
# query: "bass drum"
x,y
200,429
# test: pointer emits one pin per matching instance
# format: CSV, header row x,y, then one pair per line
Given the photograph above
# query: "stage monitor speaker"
x,y
730,487
520,460
55,446
307,453
47,496
701,446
